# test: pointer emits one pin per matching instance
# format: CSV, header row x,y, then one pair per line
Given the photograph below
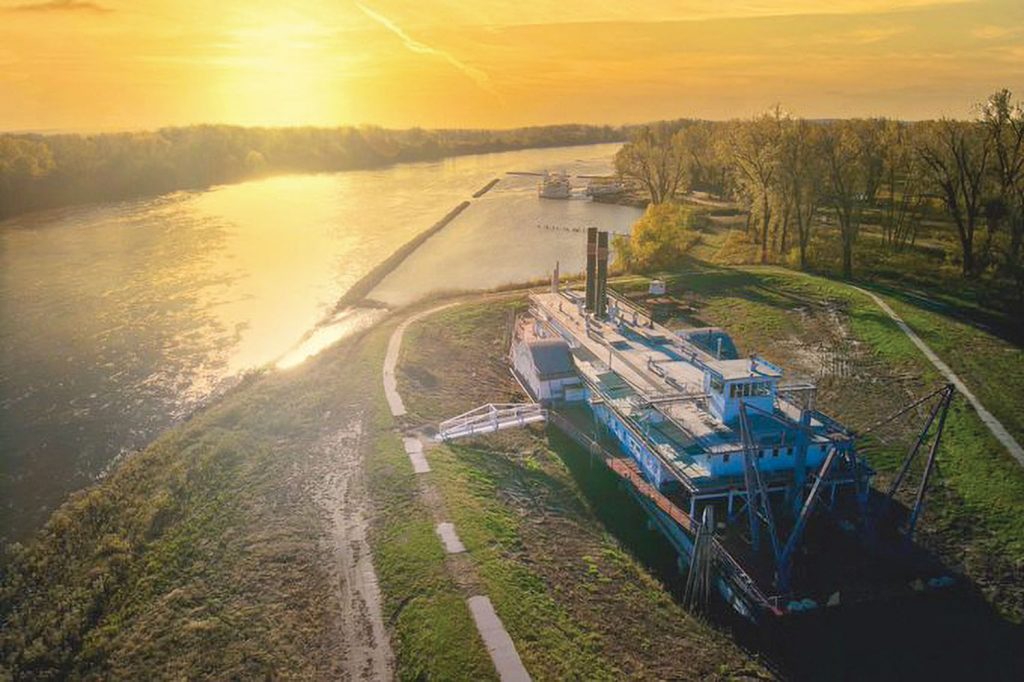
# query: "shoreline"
x,y
201,187
365,284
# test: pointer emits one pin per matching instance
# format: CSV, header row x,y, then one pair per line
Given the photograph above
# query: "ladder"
x,y
490,418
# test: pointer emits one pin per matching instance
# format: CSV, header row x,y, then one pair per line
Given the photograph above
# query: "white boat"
x,y
555,186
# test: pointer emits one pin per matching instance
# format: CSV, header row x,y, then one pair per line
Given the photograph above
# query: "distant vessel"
x,y
598,187
555,186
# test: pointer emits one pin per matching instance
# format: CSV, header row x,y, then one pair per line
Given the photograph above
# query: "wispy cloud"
x,y
81,6
479,77
994,32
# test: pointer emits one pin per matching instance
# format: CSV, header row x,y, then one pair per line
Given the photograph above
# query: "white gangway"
x,y
490,418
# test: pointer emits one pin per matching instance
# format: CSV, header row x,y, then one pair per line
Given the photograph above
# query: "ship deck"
x,y
633,365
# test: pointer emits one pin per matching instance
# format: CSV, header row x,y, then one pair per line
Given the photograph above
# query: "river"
x,y
120,319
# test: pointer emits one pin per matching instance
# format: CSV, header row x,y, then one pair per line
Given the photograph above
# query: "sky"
x,y
99,65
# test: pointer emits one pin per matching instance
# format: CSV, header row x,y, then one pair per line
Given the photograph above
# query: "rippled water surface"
x,y
119,319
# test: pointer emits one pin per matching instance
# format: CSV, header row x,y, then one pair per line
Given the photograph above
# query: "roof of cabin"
x,y
745,368
551,358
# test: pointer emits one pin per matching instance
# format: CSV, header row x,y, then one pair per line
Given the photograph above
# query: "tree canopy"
x,y
48,171
659,240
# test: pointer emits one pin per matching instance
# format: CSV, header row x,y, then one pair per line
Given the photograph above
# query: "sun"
x,y
282,73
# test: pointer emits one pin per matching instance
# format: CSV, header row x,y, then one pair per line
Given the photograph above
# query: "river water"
x,y
117,320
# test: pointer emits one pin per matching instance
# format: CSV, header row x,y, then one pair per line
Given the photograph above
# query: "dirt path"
x,y
499,644
993,424
391,359
342,497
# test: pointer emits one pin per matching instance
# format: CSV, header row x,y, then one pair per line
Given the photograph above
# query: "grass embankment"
x,y
527,505
208,554
975,514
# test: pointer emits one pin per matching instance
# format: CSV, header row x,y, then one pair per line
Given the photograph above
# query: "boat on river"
x,y
555,186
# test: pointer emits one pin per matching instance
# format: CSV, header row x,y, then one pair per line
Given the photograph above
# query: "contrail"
x,y
479,77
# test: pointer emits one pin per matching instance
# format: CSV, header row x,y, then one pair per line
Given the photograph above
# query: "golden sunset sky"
x,y
86,65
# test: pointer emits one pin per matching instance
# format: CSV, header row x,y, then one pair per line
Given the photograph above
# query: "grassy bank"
x,y
208,554
201,555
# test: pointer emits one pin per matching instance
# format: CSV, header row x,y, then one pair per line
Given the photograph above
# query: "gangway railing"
x,y
490,418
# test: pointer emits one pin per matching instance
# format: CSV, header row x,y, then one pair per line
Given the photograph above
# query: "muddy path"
x,y
339,489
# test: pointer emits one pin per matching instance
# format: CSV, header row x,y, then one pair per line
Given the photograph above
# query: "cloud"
x,y
82,6
479,77
994,32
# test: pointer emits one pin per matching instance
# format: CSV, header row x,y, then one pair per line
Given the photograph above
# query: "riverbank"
x,y
358,291
76,170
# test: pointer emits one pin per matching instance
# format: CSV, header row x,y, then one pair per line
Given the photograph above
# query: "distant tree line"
x,y
793,175
47,171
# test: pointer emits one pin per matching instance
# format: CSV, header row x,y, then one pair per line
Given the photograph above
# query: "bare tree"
x,y
657,159
871,132
754,147
801,176
1004,122
847,181
901,180
956,158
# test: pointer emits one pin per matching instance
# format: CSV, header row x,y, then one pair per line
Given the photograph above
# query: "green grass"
x,y
992,367
433,635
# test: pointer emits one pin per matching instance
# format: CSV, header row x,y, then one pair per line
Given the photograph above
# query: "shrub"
x,y
659,240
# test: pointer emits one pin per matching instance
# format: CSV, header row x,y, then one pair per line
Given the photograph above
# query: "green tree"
x,y
660,239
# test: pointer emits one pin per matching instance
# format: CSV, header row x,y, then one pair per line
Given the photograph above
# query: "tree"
x,y
657,159
1003,120
956,158
802,177
23,161
901,181
707,170
659,240
754,147
847,178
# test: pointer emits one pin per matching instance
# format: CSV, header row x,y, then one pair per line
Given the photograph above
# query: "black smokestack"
x,y
601,295
591,269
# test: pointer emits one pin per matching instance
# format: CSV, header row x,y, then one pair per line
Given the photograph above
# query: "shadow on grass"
x,y
969,302
953,633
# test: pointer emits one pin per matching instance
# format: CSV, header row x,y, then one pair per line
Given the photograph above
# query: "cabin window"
x,y
716,384
760,454
775,452
761,388
725,458
789,451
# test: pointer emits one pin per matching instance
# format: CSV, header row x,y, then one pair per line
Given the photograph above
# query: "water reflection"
x,y
345,323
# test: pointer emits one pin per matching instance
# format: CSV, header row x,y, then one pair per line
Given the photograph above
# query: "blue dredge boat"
x,y
730,460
